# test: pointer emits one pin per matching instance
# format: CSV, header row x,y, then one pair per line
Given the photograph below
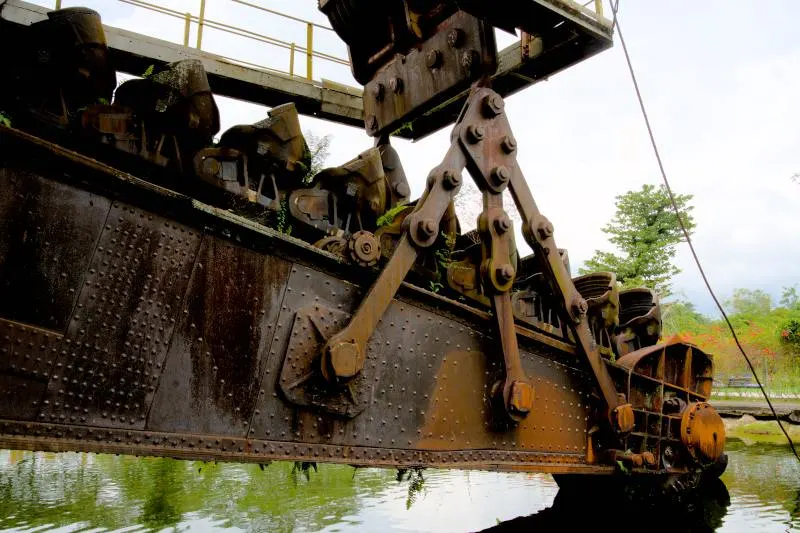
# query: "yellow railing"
x,y
201,22
591,8
598,6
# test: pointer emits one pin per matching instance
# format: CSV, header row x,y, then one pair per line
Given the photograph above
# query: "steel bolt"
x,y
427,228
469,59
500,175
433,59
493,105
475,133
502,224
451,180
579,308
504,273
520,400
396,85
456,37
378,91
545,229
344,359
211,166
508,144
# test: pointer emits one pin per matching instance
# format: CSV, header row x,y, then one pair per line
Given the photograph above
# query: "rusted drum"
x,y
703,432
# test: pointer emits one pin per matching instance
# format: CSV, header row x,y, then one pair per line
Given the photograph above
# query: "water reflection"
x,y
73,492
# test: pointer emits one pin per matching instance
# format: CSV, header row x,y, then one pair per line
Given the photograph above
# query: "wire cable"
x,y
615,24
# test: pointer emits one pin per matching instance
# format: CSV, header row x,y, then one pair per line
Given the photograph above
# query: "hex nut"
x,y
451,180
500,175
493,105
433,59
508,144
378,91
456,38
475,133
396,85
502,224
504,273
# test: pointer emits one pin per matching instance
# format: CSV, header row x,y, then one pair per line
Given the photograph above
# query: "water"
x,y
79,492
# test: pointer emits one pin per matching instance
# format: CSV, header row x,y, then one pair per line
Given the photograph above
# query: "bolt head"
x,y
520,400
493,105
509,144
502,225
344,359
456,37
378,91
427,227
475,133
505,273
433,59
579,308
396,85
211,167
545,229
469,59
451,179
501,175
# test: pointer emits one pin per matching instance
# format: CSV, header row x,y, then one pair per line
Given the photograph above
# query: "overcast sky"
x,y
721,80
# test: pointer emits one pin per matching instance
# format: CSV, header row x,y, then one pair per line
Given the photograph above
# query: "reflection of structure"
x,y
137,318
702,510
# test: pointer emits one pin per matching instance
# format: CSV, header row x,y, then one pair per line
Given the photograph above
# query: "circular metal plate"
x,y
703,432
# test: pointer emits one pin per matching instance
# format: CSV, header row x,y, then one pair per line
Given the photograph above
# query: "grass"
x,y
751,431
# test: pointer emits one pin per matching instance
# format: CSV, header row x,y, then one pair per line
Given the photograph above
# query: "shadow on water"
x,y
72,492
702,511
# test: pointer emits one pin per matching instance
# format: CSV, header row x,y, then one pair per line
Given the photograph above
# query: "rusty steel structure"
x,y
152,301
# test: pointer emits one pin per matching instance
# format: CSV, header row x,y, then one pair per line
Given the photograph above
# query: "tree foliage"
x,y
749,302
682,317
790,298
645,230
318,151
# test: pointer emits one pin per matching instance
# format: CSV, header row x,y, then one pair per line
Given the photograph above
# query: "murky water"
x,y
71,492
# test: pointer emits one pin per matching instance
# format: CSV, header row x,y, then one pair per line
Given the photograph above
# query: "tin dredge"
x,y
151,304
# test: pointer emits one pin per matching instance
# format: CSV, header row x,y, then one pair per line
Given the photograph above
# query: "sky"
x,y
721,82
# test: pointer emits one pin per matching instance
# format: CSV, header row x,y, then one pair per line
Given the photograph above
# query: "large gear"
x,y
364,249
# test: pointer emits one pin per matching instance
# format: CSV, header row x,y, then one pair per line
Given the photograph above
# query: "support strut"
x,y
481,142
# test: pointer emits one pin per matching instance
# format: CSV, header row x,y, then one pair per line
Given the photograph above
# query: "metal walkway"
x,y
570,33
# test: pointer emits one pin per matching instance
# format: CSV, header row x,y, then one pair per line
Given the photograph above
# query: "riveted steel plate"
x,y
40,276
27,356
218,352
301,379
431,385
55,437
114,349
274,417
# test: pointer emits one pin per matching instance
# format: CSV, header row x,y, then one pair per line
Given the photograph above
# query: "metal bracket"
x,y
304,383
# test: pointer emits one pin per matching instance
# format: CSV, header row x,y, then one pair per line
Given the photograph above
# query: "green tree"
x,y
318,151
790,298
646,232
749,302
682,317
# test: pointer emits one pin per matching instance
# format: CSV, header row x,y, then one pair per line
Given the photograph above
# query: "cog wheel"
x,y
364,248
333,244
